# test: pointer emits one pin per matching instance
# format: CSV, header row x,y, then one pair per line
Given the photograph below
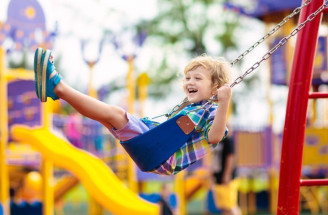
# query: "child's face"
x,y
197,85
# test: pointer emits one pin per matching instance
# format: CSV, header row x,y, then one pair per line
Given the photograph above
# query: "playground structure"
x,y
91,171
38,136
56,154
49,194
45,118
301,78
294,132
61,153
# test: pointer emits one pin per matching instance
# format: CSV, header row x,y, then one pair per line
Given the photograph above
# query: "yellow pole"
x,y
94,206
313,105
287,28
271,120
47,166
132,178
131,85
143,82
268,92
180,190
273,189
48,187
4,175
92,91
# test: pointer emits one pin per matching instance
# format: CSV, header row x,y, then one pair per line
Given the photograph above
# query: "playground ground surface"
x,y
75,203
193,208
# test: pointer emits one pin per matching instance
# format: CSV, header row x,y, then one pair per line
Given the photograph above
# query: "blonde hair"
x,y
220,69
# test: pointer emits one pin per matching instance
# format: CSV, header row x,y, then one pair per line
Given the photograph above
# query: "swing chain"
x,y
268,54
272,31
281,43
174,109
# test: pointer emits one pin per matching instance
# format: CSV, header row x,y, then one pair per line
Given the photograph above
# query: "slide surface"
x,y
98,179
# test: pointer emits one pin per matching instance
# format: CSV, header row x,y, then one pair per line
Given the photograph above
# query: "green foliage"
x,y
189,22
184,29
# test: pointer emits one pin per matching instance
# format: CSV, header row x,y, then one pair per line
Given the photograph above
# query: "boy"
x,y
204,77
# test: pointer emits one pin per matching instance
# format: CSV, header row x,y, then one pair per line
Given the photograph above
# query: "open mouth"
x,y
192,91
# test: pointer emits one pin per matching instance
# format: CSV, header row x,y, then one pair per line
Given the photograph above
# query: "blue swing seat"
x,y
150,149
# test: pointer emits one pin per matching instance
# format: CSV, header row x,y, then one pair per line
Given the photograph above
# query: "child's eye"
x,y
187,78
198,78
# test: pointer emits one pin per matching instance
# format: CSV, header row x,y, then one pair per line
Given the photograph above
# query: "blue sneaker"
x,y
43,67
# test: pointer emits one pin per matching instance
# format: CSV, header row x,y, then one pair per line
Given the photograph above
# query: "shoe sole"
x,y
37,61
44,76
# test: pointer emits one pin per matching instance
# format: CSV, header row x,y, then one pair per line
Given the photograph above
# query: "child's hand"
x,y
224,93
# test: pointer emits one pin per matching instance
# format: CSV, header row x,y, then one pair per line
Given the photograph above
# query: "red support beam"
x,y
318,95
314,182
295,120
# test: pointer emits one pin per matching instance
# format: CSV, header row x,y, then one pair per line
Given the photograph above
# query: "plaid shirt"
x,y
196,147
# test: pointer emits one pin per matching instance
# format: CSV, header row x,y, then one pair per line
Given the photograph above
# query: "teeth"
x,y
192,90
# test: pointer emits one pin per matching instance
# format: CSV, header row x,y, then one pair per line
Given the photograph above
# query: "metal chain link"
x,y
281,43
174,109
272,31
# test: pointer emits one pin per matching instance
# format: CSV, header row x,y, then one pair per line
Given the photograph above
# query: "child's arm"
x,y
229,166
218,128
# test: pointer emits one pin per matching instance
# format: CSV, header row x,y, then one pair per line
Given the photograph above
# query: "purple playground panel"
x,y
262,8
254,149
25,26
90,136
23,105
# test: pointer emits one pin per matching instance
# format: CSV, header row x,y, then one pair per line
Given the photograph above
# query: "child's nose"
x,y
191,80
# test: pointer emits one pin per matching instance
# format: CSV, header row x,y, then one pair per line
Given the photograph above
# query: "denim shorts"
x,y
133,128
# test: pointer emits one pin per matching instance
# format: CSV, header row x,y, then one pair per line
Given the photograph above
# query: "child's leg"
x,y
109,115
48,83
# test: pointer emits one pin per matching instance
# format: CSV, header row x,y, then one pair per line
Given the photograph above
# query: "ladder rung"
x,y
314,182
318,95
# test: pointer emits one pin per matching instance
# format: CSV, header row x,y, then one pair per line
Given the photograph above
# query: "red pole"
x,y
295,120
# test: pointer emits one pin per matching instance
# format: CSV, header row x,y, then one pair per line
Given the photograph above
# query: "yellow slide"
x,y
101,183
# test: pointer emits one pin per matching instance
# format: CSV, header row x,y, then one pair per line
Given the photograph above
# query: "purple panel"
x,y
264,153
24,19
278,64
26,15
23,105
265,7
269,143
320,62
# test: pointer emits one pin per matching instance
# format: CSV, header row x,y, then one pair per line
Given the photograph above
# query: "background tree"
x,y
183,29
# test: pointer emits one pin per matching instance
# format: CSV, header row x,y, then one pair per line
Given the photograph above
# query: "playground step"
x,y
314,95
314,182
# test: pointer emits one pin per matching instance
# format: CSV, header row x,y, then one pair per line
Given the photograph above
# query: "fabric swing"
x,y
150,149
